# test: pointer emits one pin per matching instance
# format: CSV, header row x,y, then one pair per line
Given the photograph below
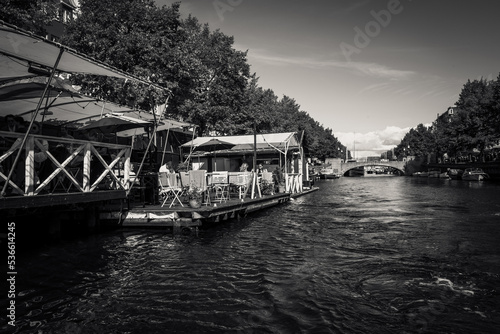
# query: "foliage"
x,y
474,125
266,113
134,36
33,16
195,193
418,142
207,81
266,187
182,167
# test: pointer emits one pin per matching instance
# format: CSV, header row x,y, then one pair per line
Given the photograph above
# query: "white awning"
x,y
277,141
22,49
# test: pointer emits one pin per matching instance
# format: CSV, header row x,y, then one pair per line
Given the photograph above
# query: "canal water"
x,y
361,255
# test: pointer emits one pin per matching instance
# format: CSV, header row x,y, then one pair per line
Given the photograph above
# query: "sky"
x,y
370,70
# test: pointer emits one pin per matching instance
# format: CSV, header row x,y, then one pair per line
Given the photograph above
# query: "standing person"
x,y
277,177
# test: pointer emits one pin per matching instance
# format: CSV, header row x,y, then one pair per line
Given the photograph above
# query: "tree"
x,y
132,35
419,141
473,123
33,16
214,87
208,79
492,117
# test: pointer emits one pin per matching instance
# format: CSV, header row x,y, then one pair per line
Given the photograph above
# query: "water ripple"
x,y
350,258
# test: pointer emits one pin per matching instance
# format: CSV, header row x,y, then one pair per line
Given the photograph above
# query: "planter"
x,y
194,203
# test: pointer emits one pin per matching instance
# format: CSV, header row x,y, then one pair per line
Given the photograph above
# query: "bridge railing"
x,y
345,166
53,164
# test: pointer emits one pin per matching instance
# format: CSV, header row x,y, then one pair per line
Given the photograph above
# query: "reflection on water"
x,y
377,255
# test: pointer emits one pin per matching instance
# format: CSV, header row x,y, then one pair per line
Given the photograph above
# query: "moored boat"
x,y
444,175
328,173
433,173
474,174
454,173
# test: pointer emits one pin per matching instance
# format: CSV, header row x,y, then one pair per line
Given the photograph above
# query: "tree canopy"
x,y
207,81
474,124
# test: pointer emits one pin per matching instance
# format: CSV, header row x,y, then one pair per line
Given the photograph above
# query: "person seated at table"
x,y
43,167
64,134
167,168
12,124
244,167
139,143
261,169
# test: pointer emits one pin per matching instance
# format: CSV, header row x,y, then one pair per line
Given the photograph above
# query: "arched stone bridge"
x,y
399,165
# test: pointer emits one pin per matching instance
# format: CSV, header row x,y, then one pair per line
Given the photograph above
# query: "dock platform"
x,y
186,217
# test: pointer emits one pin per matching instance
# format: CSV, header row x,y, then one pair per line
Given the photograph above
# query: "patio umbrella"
x,y
214,145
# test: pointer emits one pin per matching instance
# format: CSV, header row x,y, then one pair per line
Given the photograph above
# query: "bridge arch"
x,y
398,165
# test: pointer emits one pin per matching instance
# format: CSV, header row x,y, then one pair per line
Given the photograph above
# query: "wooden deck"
x,y
45,200
178,216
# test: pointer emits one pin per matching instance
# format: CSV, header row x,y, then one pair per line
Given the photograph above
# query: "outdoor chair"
x,y
198,179
184,183
220,184
169,188
242,183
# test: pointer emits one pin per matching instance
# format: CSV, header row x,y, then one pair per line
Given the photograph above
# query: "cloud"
x,y
366,69
372,143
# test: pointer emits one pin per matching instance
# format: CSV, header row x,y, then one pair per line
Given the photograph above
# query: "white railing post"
x,y
29,175
126,169
87,158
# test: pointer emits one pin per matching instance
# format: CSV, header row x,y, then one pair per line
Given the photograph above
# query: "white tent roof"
x,y
279,141
22,100
19,50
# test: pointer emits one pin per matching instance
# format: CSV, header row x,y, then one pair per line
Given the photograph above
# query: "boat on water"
x,y
329,176
328,173
455,173
436,173
420,174
474,174
433,173
444,175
